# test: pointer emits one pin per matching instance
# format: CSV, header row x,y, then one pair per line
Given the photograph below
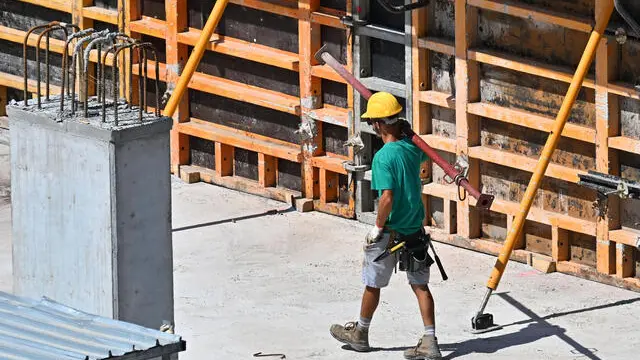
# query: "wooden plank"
x,y
247,93
149,26
420,73
242,184
224,159
511,208
589,273
444,46
59,5
530,120
326,72
440,143
267,170
527,66
332,164
130,11
17,82
625,144
3,100
244,49
438,98
328,17
331,114
17,36
177,56
624,89
467,80
607,124
625,265
328,186
310,41
241,139
279,7
77,17
450,225
535,14
559,243
101,14
625,236
522,162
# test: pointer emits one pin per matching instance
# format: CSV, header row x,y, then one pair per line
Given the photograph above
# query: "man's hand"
x,y
374,235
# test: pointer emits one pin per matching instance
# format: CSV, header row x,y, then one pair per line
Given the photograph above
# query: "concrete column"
x,y
92,212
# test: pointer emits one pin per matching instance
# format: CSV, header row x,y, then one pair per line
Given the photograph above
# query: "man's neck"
x,y
389,138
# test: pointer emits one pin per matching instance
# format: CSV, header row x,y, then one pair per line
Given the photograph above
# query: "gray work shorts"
x,y
378,274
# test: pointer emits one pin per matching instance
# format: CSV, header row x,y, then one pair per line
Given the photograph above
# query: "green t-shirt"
x,y
396,167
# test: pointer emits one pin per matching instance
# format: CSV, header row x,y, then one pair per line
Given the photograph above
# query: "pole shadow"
x,y
236,219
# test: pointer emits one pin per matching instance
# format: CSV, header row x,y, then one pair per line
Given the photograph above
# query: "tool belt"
x,y
414,255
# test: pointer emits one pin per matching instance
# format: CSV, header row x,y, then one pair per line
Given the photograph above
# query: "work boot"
x,y
427,349
350,334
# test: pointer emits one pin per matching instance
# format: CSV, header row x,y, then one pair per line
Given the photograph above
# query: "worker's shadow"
x,y
489,345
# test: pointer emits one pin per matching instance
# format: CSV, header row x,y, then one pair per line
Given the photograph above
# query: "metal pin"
x,y
115,46
24,58
150,47
60,26
107,39
65,62
116,79
77,65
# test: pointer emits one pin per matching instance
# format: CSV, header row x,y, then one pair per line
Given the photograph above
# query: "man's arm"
x,y
384,207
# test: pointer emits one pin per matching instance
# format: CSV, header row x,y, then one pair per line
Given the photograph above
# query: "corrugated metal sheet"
x,y
44,329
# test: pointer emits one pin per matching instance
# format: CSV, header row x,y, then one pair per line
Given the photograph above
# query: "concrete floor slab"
x,y
246,282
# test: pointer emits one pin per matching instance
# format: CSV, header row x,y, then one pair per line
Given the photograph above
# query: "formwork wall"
x,y
476,77
490,80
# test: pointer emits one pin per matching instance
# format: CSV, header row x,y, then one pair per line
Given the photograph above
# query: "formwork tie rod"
x,y
484,201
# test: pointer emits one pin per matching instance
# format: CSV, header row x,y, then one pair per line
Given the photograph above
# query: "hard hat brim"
x,y
366,115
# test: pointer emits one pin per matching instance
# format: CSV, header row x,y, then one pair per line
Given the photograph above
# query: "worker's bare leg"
x,y
427,347
370,300
425,301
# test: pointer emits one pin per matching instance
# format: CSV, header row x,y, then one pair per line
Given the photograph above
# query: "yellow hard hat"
x,y
382,105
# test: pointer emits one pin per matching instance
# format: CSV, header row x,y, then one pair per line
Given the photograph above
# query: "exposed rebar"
x,y
59,26
115,79
24,57
104,40
65,63
150,47
77,67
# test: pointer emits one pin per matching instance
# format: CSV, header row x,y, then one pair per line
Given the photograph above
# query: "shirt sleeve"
x,y
381,175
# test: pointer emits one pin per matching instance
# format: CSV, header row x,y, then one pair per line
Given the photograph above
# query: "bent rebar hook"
x,y
60,26
65,64
399,9
75,64
149,46
104,40
24,56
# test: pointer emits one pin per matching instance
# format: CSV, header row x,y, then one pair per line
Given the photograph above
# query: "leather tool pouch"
x,y
414,256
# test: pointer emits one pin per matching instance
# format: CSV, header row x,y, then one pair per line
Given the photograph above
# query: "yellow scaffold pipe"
x,y
195,57
576,84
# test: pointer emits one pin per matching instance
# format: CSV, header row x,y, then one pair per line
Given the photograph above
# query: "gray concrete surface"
x,y
275,283
90,208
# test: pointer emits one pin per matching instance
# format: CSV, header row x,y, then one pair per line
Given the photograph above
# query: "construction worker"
x,y
396,176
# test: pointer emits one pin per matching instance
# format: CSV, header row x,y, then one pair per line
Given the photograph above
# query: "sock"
x,y
430,330
363,323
